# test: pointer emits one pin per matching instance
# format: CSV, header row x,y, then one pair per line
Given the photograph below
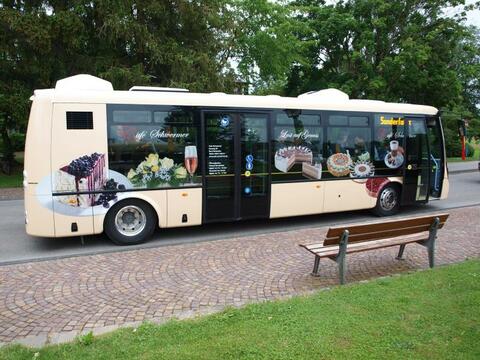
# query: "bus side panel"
x,y
184,207
72,216
342,195
39,219
298,198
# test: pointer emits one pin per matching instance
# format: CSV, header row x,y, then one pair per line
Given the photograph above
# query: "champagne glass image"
x,y
191,160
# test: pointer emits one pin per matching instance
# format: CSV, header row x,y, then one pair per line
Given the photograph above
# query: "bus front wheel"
x,y
388,201
130,222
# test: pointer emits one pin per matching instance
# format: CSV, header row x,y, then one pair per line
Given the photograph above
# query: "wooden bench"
x,y
343,240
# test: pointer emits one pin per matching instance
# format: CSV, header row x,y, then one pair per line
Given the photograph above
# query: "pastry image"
x,y
339,164
393,162
374,185
362,169
312,171
87,173
394,158
286,157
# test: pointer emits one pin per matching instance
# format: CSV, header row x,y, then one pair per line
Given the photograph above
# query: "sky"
x,y
473,17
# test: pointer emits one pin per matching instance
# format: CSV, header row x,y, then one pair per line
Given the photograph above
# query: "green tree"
x,y
174,43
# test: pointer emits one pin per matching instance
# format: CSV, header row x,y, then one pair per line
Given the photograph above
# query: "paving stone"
x,y
62,337
34,341
53,300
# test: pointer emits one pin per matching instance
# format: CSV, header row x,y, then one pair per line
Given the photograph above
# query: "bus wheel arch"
x,y
130,221
388,199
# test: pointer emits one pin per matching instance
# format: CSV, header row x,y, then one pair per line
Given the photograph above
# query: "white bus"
x,y
125,162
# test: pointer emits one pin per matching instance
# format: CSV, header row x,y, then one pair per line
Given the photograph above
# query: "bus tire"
x,y
130,222
388,201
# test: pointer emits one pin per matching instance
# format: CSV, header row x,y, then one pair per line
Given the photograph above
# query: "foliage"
x,y
400,51
403,51
425,315
174,43
86,339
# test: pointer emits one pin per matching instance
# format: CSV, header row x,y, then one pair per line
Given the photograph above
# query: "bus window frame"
x,y
274,114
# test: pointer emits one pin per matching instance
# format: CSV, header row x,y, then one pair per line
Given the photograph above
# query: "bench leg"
x,y
316,265
342,254
431,242
342,269
400,252
431,253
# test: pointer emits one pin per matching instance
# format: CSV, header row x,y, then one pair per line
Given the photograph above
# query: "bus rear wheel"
x,y
130,222
388,201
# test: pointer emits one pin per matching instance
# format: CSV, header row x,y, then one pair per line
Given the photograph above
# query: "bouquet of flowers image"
x,y
154,172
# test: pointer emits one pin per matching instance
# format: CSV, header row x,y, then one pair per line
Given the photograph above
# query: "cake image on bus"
x,y
84,174
286,157
312,171
339,164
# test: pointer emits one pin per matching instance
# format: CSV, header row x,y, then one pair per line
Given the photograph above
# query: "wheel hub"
x,y
388,199
130,220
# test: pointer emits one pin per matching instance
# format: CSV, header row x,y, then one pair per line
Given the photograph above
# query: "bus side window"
x,y
297,146
350,135
389,144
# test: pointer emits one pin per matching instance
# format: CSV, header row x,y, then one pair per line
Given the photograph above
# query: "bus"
x,y
127,162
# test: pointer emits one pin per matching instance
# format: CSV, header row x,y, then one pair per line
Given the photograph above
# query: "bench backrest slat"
x,y
391,228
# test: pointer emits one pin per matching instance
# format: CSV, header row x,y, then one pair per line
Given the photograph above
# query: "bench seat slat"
x,y
397,227
332,250
376,235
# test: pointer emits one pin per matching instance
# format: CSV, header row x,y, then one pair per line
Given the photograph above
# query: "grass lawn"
x,y
427,314
16,178
474,157
13,180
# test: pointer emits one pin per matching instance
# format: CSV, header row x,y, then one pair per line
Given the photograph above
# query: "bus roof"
x,y
89,89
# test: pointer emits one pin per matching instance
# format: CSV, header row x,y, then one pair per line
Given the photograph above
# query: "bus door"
x,y
237,179
437,156
417,162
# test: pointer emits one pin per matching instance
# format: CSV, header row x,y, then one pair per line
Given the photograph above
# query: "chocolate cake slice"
x,y
84,174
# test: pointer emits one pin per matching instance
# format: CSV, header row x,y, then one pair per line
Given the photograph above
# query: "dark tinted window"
x,y
154,146
348,146
79,120
389,143
297,146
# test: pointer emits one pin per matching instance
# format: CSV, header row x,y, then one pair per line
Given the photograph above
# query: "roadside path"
x,y
53,301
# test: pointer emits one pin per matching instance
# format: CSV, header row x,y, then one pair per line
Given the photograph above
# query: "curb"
x,y
463,171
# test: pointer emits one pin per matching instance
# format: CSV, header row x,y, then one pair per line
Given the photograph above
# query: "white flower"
x,y
151,160
131,174
181,172
166,163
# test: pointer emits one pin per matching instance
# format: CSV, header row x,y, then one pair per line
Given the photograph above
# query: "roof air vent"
x,y
83,82
157,89
326,95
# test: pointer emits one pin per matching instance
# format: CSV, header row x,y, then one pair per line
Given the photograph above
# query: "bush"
x,y
469,149
453,145
18,141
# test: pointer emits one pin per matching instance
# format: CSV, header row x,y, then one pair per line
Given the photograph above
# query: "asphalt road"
x,y
16,246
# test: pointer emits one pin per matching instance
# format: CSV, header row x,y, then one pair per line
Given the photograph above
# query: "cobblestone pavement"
x,y
52,301
11,194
